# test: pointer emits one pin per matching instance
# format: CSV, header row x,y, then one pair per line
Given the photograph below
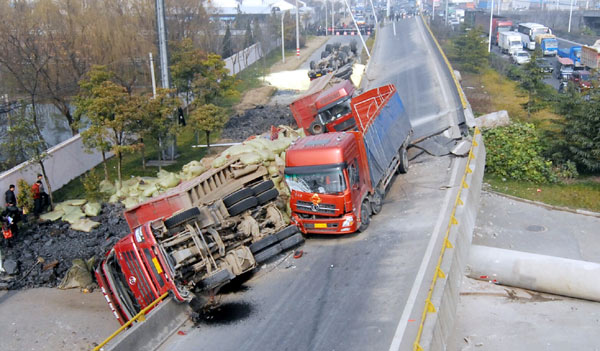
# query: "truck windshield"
x,y
551,44
322,182
336,111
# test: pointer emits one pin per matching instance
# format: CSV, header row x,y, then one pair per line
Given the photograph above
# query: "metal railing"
x,y
141,316
429,307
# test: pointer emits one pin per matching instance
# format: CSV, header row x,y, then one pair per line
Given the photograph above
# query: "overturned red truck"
x,y
195,238
338,179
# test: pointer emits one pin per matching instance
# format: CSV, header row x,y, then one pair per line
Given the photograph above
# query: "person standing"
x,y
37,198
9,196
45,199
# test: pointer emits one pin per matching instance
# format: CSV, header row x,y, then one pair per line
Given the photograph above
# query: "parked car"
x,y
582,80
520,57
545,65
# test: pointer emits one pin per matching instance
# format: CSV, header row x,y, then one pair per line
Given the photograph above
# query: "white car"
x,y
520,57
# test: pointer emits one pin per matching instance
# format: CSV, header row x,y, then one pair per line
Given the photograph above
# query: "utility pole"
x,y
282,39
152,75
570,15
388,9
491,19
162,43
332,16
297,32
358,29
326,28
446,12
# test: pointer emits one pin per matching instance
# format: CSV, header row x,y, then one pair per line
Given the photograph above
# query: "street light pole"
x,y
326,27
282,39
358,29
297,32
570,15
491,19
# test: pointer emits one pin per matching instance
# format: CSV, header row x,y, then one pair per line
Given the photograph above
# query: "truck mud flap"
x,y
221,277
267,196
237,196
181,217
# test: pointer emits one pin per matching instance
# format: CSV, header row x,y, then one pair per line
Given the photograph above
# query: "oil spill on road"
x,y
224,314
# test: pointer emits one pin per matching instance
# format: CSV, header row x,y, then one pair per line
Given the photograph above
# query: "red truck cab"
x,y
327,191
138,272
326,110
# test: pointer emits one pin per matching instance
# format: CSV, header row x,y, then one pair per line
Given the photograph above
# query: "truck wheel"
x,y
220,278
242,206
328,47
324,54
237,196
403,166
365,216
376,202
286,232
262,243
181,217
262,187
316,127
267,254
267,196
292,241
312,65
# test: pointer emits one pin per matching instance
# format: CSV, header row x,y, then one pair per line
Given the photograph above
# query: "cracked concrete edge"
x,y
545,205
439,324
148,335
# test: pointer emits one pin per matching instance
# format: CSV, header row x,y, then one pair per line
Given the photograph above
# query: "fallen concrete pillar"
x,y
554,275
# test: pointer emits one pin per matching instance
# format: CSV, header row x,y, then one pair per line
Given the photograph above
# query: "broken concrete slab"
x,y
493,120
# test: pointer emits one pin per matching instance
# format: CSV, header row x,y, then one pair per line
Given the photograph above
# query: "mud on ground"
x,y
257,121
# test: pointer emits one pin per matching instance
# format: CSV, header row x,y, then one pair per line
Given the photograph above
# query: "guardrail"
x,y
457,240
141,316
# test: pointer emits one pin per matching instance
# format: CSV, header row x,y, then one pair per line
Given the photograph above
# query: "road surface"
x,y
349,292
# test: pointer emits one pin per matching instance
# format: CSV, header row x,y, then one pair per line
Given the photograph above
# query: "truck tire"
x,y
316,128
403,166
262,187
336,45
376,202
262,243
267,253
353,46
328,47
324,54
267,196
365,216
221,277
286,232
242,206
237,196
312,65
181,217
292,241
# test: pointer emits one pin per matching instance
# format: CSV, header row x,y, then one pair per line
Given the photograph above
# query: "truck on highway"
x,y
529,33
194,239
481,19
510,42
547,43
590,55
339,179
573,53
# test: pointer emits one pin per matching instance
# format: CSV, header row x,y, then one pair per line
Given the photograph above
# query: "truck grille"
x,y
133,266
309,207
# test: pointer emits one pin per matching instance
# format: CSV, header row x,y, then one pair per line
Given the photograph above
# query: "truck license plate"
x,y
157,265
320,225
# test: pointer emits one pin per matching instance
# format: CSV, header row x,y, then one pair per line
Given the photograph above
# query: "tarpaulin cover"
x,y
385,136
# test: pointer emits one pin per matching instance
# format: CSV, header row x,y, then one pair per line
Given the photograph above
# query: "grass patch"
x,y
370,42
583,193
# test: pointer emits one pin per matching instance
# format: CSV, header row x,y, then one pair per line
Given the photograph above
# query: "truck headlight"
x,y
348,221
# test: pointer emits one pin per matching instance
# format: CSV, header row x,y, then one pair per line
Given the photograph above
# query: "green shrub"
x,y
91,186
514,152
24,196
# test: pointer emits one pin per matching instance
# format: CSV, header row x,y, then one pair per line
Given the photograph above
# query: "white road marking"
x,y
394,24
